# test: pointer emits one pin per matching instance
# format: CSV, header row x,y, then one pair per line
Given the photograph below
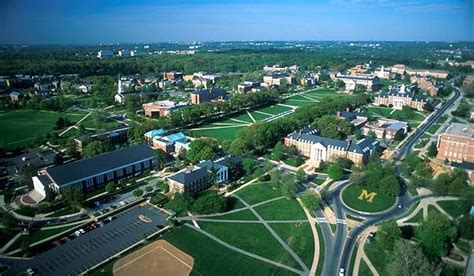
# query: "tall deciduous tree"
x,y
434,234
311,199
408,260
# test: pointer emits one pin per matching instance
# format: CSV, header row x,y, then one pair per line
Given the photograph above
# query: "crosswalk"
x,y
324,220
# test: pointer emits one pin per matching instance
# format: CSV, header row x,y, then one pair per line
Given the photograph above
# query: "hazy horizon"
x,y
89,22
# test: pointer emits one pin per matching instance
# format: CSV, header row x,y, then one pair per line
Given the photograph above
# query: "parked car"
x,y
342,271
30,271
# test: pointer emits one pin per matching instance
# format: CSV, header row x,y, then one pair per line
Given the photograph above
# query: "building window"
x,y
100,179
138,167
146,164
129,169
119,172
110,176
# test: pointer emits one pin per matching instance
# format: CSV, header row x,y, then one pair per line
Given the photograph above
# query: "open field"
x,y
350,196
211,258
158,258
453,207
253,238
20,128
281,209
258,192
299,238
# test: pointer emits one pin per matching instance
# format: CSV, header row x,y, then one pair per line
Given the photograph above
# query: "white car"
x,y
79,232
341,271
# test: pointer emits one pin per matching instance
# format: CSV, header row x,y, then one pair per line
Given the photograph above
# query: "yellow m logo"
x,y
366,196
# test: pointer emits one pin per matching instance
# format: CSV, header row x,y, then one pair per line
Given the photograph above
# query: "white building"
x,y
105,54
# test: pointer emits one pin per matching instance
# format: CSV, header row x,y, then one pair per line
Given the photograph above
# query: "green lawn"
x,y
452,207
63,212
377,256
352,262
417,218
254,238
211,258
240,215
318,181
437,124
258,192
281,209
464,246
299,238
20,128
377,111
364,269
275,109
220,134
259,116
35,236
319,268
380,202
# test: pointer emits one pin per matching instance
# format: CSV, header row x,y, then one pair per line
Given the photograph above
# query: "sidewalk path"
x,y
423,206
274,234
255,256
314,264
360,255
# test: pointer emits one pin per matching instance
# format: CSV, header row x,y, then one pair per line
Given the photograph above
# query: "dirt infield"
x,y
158,258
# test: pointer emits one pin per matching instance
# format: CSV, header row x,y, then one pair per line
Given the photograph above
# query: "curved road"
x,y
339,248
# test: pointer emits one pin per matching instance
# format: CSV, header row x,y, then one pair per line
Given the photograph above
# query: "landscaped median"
x,y
366,200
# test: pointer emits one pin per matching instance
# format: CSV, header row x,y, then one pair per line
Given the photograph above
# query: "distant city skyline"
x,y
146,21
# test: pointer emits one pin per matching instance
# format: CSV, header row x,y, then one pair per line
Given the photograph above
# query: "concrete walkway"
x,y
423,207
255,256
274,234
239,220
361,256
10,242
314,264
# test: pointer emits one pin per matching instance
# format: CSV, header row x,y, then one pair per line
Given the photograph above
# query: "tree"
x,y
406,78
203,149
8,221
249,166
330,126
137,192
275,179
310,199
25,174
278,152
408,260
389,233
110,187
428,107
335,171
432,150
389,186
209,203
434,234
160,158
300,174
71,149
468,90
74,198
180,203
466,227
148,189
358,178
289,186
95,148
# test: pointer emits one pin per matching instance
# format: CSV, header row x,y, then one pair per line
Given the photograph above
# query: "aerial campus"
x,y
262,154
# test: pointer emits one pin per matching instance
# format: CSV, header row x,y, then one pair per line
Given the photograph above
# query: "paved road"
x,y
79,254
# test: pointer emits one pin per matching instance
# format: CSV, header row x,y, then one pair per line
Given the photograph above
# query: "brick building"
x,y
456,143
160,108
318,148
208,95
399,96
370,82
427,83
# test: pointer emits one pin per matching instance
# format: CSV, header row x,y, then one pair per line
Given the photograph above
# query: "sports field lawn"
x,y
380,202
258,192
19,128
259,116
254,238
211,258
299,238
281,209
275,109
240,215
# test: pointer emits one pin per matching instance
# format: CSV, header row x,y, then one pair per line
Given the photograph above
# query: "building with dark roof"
x,y
208,95
401,95
92,173
116,136
196,179
318,148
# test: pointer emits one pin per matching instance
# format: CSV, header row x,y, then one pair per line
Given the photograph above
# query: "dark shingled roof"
x,y
189,176
71,172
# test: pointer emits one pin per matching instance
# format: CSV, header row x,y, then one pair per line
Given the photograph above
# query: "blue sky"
x,y
108,21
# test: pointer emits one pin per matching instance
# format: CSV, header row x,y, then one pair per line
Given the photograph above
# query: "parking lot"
x,y
78,254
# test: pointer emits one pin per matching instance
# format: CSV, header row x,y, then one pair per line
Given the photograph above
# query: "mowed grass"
x,y
258,192
299,238
453,207
281,209
377,111
211,258
219,132
350,196
240,215
254,238
20,128
275,109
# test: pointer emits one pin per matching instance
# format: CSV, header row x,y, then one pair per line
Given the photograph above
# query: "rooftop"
x,y
459,129
74,171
